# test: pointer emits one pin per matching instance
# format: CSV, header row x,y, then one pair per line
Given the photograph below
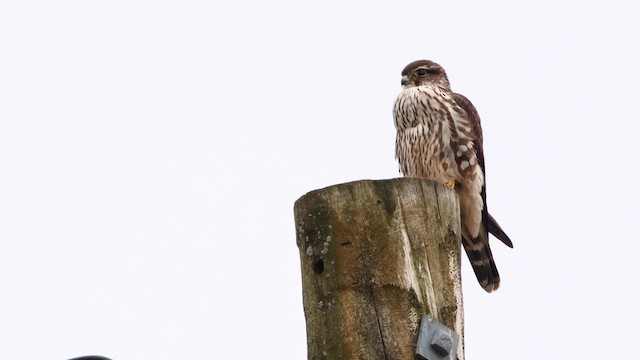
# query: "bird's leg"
x,y
451,184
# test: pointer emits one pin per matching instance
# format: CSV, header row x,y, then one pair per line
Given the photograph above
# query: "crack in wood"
x,y
375,310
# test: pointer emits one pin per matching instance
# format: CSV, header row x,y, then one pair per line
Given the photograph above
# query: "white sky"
x,y
151,152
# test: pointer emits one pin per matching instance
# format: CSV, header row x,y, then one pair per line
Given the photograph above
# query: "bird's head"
x,y
424,72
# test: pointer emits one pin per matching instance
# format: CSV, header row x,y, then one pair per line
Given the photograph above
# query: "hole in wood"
x,y
318,267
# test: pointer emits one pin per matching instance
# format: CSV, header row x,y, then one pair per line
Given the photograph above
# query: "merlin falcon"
x,y
439,138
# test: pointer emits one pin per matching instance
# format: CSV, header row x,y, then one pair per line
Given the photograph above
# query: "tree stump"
x,y
375,256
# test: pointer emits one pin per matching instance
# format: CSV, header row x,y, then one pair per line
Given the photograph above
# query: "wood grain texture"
x,y
375,256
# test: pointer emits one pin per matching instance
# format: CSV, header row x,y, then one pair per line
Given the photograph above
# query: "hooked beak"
x,y
405,80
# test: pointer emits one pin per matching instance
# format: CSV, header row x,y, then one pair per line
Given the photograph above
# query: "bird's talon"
x,y
451,184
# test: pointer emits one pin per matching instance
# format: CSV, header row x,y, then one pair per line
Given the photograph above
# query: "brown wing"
x,y
488,222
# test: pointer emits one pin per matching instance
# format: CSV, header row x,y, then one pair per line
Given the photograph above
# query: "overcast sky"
x,y
151,153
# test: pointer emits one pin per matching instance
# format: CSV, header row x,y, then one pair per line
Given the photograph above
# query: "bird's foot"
x,y
451,184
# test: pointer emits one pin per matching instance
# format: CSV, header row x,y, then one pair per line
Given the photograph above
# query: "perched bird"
x,y
439,138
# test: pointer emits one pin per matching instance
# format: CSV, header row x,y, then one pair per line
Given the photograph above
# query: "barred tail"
x,y
484,267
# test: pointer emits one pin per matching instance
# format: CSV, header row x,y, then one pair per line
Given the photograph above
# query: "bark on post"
x,y
375,256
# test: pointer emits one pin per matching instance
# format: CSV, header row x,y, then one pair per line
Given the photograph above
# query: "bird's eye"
x,y
424,72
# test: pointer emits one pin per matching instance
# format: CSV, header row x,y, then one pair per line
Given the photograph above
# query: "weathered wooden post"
x,y
376,255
